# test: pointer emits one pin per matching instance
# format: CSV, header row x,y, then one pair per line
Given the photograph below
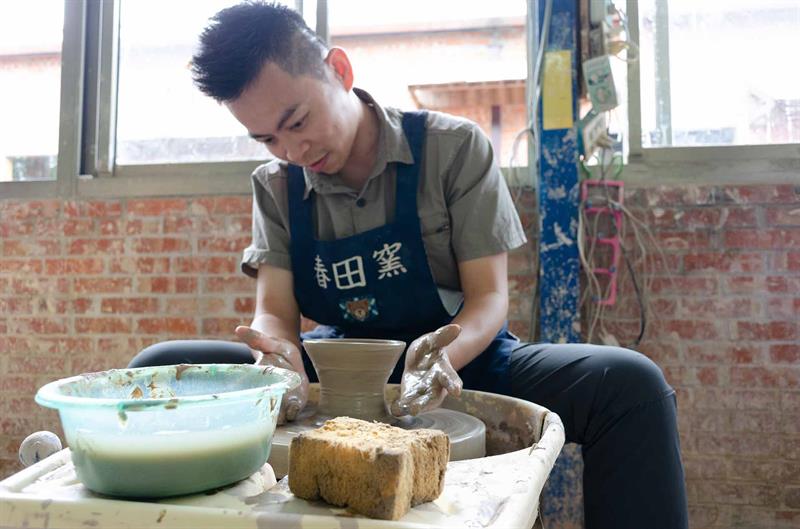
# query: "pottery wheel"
x,y
467,433
352,382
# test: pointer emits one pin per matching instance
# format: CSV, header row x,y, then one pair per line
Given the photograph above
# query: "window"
x,y
33,167
120,115
139,123
30,77
719,72
161,116
391,51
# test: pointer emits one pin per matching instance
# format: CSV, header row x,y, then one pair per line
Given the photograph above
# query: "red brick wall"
x,y
727,333
84,285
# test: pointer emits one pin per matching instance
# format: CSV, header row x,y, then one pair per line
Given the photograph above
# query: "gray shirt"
x,y
464,205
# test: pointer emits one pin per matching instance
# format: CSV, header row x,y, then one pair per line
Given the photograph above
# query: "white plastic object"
x,y
38,446
593,131
601,83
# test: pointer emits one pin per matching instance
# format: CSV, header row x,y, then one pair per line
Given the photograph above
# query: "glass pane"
x,y
161,116
31,33
719,72
464,57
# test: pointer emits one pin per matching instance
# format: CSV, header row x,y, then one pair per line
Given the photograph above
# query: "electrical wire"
x,y
594,292
604,165
609,164
625,45
531,129
642,310
643,238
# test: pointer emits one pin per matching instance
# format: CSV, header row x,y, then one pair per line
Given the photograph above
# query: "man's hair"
x,y
239,40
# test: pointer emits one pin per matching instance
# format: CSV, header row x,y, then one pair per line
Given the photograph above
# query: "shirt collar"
x,y
392,147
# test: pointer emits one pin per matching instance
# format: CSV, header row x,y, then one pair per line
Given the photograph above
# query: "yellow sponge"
x,y
373,469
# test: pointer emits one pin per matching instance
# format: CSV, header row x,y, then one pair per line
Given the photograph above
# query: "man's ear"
x,y
338,61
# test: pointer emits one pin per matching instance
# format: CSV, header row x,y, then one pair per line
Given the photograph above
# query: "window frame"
x,y
87,126
728,164
87,130
102,177
70,113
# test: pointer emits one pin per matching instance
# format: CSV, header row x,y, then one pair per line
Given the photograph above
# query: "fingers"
x,y
423,402
270,351
272,359
418,403
293,407
248,335
425,391
261,342
449,379
415,385
445,335
257,339
405,405
292,404
418,352
398,408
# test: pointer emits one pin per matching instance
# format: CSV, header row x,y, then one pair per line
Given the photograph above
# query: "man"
x,y
378,223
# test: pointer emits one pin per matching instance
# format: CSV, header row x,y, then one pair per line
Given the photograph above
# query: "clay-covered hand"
x,y
269,350
428,376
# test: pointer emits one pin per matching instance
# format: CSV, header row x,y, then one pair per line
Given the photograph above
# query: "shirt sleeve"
x,y
483,216
270,243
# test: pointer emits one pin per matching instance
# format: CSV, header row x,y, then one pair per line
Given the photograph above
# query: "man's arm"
x,y
431,359
277,314
484,282
274,335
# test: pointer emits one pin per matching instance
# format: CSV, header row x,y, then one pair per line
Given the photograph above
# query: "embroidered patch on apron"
x,y
359,309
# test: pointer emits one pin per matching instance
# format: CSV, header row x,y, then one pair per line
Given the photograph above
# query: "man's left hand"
x,y
428,376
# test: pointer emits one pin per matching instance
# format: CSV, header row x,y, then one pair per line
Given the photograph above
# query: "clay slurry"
x,y
178,463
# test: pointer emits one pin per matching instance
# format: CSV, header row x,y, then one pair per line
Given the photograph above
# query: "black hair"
x,y
239,40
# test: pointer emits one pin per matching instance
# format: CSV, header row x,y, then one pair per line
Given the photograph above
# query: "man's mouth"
x,y
319,164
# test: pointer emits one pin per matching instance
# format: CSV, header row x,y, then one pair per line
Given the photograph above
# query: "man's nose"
x,y
296,151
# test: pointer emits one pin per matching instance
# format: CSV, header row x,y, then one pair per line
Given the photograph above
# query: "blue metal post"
x,y
559,264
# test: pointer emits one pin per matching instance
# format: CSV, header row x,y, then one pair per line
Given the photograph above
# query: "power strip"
x,y
600,83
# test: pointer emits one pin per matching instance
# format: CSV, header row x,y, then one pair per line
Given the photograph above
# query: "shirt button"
x,y
361,202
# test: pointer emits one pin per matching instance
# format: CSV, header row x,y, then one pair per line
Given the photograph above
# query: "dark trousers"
x,y
614,402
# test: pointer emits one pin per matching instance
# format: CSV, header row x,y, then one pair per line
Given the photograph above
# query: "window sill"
x,y
748,164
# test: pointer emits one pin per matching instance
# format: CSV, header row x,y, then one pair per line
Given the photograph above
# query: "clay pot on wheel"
x,y
352,376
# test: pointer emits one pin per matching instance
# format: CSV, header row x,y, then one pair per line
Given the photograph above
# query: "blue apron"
x,y
378,284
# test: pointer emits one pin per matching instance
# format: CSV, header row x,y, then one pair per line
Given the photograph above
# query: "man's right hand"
x,y
278,352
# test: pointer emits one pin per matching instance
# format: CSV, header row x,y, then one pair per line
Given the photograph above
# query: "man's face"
x,y
301,119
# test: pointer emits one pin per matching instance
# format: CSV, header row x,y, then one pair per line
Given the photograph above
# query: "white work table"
x,y
499,491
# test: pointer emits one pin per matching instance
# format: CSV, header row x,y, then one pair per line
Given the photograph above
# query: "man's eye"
x,y
298,124
267,141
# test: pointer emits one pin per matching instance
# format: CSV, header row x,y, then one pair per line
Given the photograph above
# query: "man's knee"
x,y
587,371
630,377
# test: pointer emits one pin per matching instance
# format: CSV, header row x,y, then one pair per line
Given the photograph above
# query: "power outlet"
x,y
593,131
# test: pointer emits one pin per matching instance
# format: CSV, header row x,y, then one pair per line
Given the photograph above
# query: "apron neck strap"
x,y
408,174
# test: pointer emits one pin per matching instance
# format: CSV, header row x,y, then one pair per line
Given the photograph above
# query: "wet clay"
x,y
352,376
